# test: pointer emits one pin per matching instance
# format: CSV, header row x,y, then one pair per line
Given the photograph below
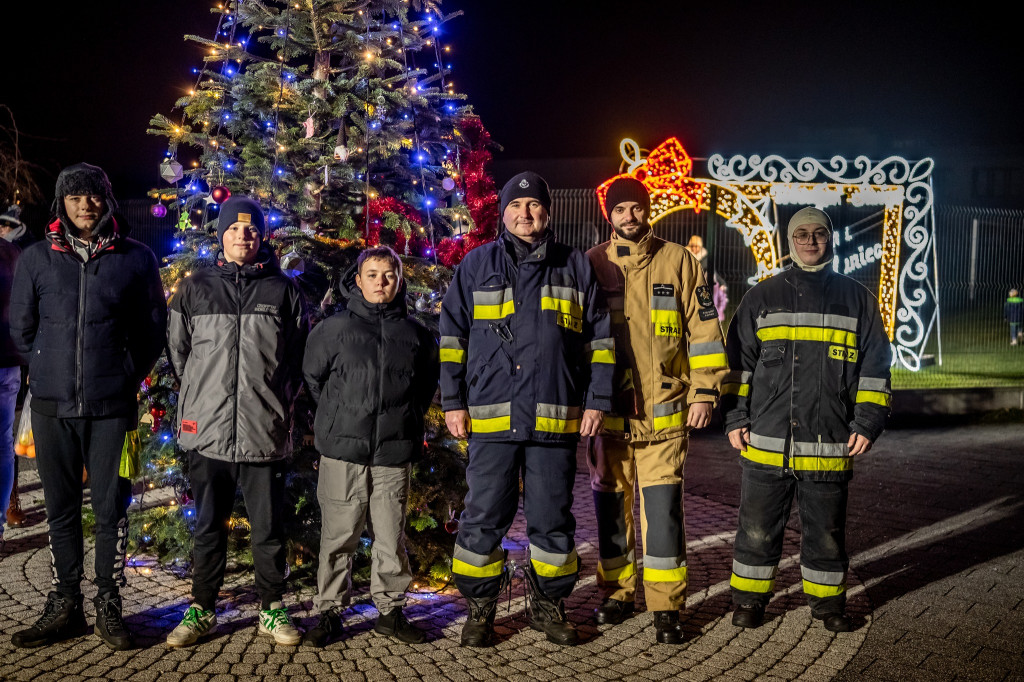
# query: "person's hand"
x,y
858,444
590,424
699,416
739,438
458,422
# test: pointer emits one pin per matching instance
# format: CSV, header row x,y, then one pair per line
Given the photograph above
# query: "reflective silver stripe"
x,y
872,384
823,577
664,563
709,348
766,442
665,409
564,293
538,554
735,376
818,449
478,560
664,303
754,572
617,562
600,344
490,411
492,297
454,343
551,411
807,320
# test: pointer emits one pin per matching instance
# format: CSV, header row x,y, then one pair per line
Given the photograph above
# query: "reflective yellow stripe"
x,y
667,322
551,571
702,361
620,573
738,389
614,423
877,397
494,312
808,334
751,585
822,591
605,356
821,463
553,425
668,421
561,305
491,425
456,355
488,571
665,575
762,456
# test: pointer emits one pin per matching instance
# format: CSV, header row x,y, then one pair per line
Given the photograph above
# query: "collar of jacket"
x,y
358,304
265,264
108,230
799,277
520,251
633,254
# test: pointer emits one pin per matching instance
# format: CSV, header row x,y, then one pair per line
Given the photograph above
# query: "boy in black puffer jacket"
x,y
373,372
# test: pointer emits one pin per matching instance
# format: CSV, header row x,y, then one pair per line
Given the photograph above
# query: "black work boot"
x,y
327,628
667,628
479,627
547,615
748,616
62,619
394,623
836,622
109,623
613,611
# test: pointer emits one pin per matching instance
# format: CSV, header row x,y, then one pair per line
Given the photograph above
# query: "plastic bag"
x,y
24,443
131,456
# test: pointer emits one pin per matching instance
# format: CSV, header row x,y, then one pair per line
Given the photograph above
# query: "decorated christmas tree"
x,y
342,119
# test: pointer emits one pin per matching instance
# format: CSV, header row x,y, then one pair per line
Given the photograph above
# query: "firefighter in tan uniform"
x,y
669,364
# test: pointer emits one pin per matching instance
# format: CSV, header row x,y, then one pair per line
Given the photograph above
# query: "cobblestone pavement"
x,y
936,589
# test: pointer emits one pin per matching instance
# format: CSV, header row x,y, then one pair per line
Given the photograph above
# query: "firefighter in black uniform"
x,y
526,368
808,390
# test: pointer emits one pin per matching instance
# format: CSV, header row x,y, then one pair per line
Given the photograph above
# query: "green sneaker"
x,y
196,623
275,622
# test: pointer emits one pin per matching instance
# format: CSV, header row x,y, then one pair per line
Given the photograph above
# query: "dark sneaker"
x,y
393,623
547,615
327,628
836,622
63,618
109,623
667,629
748,616
613,611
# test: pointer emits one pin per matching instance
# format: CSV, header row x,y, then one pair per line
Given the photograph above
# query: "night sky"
x,y
556,79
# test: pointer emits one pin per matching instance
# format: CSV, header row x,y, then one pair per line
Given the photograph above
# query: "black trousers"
x,y
63,447
765,501
214,483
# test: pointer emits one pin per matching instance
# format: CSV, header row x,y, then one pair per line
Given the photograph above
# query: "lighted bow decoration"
x,y
666,175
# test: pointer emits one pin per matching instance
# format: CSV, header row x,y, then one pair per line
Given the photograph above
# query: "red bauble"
x,y
452,526
220,194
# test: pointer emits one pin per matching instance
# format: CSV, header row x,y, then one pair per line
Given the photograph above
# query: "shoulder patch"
x,y
704,297
664,290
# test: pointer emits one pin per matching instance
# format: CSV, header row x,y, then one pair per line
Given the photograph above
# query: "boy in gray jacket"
x,y
236,337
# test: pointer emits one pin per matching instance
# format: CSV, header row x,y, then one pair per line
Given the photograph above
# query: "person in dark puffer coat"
x,y
372,371
88,313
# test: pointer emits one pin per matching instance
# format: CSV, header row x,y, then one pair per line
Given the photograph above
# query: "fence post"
x,y
972,278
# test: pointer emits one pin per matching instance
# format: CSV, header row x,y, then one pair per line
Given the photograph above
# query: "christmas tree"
x,y
342,119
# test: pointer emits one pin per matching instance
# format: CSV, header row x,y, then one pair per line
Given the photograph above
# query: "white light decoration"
x,y
907,295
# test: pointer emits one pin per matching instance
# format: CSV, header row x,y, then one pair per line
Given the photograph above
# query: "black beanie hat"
x,y
627,189
240,210
525,185
82,178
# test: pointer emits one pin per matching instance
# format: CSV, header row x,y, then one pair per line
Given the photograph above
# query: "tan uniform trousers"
x,y
616,467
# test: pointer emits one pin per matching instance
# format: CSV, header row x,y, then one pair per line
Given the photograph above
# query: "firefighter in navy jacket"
x,y
808,390
526,368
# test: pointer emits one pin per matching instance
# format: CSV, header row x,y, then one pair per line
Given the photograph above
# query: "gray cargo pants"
x,y
354,496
